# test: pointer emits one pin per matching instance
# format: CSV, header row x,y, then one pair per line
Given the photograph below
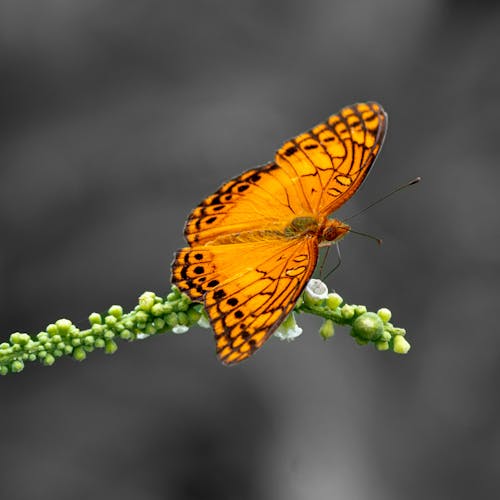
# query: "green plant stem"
x,y
173,313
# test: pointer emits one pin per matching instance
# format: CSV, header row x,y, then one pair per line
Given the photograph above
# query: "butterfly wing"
x,y
332,159
261,197
248,288
313,174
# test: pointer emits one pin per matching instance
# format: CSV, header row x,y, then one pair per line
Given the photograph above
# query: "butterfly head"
x,y
334,230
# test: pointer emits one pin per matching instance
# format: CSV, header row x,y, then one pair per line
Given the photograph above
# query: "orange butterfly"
x,y
253,245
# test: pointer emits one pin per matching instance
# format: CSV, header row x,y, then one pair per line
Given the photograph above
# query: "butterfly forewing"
x,y
333,158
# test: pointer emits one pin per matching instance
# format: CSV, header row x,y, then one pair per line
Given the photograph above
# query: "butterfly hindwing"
x,y
246,298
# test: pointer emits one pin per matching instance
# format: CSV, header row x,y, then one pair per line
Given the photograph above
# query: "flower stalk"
x,y
176,313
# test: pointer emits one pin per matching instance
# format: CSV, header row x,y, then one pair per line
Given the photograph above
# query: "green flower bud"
x,y
400,345
4,370
386,336
368,326
88,340
95,319
150,329
167,308
126,335
327,329
51,329
334,300
110,347
384,314
193,315
182,318
16,366
42,337
157,310
347,311
116,311
63,326
110,320
98,329
79,353
171,319
183,305
360,310
159,323
49,360
147,301
141,317
382,345
99,343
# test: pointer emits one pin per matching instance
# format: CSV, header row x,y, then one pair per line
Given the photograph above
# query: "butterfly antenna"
x,y
404,186
378,240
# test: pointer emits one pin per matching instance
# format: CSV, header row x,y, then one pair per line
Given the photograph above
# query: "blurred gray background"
x,y
119,117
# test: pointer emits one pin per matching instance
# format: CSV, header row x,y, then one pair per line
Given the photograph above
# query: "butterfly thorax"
x,y
327,230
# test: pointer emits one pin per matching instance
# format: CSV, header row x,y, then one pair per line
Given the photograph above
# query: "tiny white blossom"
x,y
180,329
316,290
203,321
288,330
142,336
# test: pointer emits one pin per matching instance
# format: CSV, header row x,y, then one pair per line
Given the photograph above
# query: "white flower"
x,y
288,330
316,290
142,336
180,329
204,321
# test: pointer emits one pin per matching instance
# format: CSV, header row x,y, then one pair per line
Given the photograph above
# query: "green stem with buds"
x,y
176,313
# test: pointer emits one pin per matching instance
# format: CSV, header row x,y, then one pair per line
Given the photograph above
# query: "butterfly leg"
x,y
339,261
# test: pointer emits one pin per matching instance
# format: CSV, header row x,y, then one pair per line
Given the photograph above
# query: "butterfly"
x,y
253,244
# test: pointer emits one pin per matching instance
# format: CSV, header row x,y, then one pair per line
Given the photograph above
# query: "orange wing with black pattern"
x,y
332,160
248,288
313,174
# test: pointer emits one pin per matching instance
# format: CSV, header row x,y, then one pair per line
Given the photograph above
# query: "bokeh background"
x,y
118,117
